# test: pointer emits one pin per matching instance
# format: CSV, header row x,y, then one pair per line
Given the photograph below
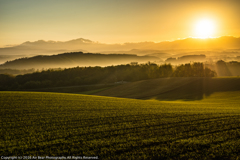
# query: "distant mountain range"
x,y
226,48
85,45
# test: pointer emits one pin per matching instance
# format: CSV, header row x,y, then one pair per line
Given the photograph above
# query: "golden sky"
x,y
113,21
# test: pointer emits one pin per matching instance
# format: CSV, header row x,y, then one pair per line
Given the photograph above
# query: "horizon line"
x,y
97,42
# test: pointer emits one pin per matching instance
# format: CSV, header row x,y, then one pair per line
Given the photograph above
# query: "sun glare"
x,y
204,28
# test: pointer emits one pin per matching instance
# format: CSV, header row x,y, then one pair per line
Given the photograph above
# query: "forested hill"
x,y
73,59
101,75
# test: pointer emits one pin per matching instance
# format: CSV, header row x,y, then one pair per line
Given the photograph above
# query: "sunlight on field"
x,y
53,124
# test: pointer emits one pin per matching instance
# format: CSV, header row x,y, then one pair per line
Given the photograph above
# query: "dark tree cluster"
x,y
193,70
101,75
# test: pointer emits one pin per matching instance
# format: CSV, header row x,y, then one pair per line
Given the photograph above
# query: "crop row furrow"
x,y
153,116
155,127
166,142
52,127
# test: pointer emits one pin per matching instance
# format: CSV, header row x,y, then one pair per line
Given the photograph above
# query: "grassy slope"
x,y
84,89
116,128
173,88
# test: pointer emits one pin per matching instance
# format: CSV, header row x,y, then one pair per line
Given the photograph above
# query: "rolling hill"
x,y
54,124
184,88
73,59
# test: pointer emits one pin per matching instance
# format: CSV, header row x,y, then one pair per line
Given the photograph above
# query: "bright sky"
x,y
115,21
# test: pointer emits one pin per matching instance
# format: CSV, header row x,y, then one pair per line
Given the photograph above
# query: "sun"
x,y
204,28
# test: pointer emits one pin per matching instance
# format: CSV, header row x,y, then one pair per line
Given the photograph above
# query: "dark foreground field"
x,y
56,124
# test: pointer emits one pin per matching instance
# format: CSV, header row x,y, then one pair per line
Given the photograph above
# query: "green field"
x,y
59,124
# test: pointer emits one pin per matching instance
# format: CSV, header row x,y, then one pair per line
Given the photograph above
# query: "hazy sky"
x,y
113,21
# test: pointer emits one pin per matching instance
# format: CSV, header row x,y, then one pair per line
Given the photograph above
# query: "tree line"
x,y
101,75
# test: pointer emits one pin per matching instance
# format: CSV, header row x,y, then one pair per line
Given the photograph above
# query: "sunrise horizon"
x,y
116,22
120,79
126,42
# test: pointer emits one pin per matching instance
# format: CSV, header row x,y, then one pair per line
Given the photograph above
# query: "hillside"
x,y
184,88
67,60
100,75
50,124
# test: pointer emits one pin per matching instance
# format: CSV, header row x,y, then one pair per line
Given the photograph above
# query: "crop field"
x,y
59,124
